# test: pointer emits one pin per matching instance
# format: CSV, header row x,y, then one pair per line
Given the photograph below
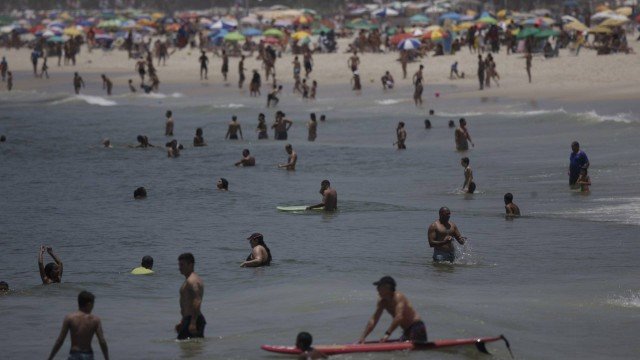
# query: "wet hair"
x,y
246,151
4,286
465,160
427,123
304,340
140,139
140,193
462,121
147,262
288,146
313,116
260,241
234,118
199,131
187,257
85,298
508,198
3,138
431,112
472,188
225,183
451,124
325,182
48,269
169,113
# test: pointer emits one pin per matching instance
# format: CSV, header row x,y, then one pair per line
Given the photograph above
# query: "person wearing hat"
x,y
399,307
260,253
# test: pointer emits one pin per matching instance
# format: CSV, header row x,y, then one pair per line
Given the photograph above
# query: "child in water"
x,y
303,342
583,180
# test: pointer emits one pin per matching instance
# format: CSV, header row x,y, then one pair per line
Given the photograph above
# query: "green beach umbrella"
x,y
546,33
488,20
526,32
234,36
273,33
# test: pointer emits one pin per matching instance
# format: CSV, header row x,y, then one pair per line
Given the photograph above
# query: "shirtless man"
x,y
468,186
512,210
462,136
401,133
441,235
312,125
191,293
234,129
329,197
52,272
204,70
82,325
291,161
418,76
241,70
399,307
77,83
225,64
260,253
198,139
281,126
143,142
168,126
354,62
247,159
106,84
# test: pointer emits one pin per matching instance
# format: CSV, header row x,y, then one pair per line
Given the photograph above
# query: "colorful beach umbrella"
x,y
409,44
576,26
488,20
300,35
419,19
435,35
251,32
384,12
526,32
234,36
450,16
273,33
398,38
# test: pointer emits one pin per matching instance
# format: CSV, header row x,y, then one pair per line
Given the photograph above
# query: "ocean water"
x,y
561,282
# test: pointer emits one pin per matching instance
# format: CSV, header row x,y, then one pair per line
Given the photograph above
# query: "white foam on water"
x,y
161,95
388,101
89,99
626,118
229,106
591,116
629,300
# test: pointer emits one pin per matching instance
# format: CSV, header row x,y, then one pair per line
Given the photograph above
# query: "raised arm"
x,y
372,322
102,341
56,259
61,337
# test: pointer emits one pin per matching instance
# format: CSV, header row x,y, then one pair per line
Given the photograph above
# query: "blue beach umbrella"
x,y
450,16
384,12
419,19
251,32
409,44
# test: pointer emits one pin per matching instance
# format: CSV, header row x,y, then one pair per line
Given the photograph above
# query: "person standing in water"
x,y
262,127
168,126
281,126
312,125
52,272
247,159
234,129
401,134
260,253
462,136
329,198
578,160
291,161
106,84
77,83
441,235
198,139
512,210
191,294
468,186
82,325
403,313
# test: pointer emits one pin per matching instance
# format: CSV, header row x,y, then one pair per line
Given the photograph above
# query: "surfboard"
x,y
296,208
389,346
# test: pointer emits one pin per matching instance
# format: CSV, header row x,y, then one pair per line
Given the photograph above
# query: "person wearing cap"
x,y
247,159
260,253
145,266
399,307
291,161
329,197
441,235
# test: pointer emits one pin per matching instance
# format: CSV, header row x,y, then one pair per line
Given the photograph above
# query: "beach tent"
x,y
409,44
419,19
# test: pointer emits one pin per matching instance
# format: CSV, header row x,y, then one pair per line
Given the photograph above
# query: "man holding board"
x,y
329,198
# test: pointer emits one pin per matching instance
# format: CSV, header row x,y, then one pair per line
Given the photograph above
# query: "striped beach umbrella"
x,y
409,44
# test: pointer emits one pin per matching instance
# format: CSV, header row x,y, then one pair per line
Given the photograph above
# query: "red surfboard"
x,y
389,346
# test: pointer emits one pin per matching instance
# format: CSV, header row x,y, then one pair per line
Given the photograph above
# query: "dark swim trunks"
x,y
281,135
441,256
184,331
80,355
233,136
263,135
417,332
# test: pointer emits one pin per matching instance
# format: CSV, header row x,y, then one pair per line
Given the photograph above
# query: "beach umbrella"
x,y
384,12
613,22
409,44
569,19
234,36
273,33
602,15
576,26
303,20
546,33
300,35
435,9
625,11
56,39
282,23
600,30
435,35
488,20
433,27
502,14
72,31
251,32
218,34
450,16
47,34
250,20
526,32
224,24
398,38
419,19
309,12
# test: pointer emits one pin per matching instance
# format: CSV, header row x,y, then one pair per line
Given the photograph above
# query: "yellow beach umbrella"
x,y
300,35
433,28
72,31
502,14
601,8
464,26
576,26
157,15
600,30
626,11
614,22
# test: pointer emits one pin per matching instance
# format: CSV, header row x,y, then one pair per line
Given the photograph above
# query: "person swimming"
x,y
145,268
52,272
260,253
222,184
140,193
303,342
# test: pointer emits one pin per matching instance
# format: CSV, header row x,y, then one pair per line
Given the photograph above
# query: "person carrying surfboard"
x,y
329,197
399,307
